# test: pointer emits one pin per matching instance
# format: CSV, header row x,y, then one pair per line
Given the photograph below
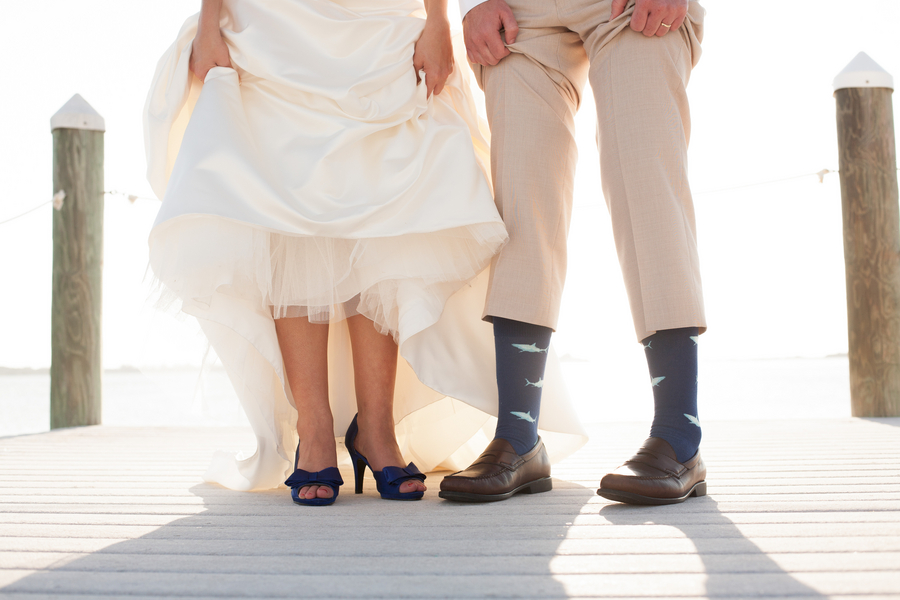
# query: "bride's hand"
x,y
434,53
207,51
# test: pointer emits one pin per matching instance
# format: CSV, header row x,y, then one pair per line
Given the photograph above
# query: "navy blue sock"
x,y
521,357
672,359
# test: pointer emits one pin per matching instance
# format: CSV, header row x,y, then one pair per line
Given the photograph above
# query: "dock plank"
x,y
812,512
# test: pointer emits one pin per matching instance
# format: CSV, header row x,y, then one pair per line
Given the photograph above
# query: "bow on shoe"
x,y
300,478
394,476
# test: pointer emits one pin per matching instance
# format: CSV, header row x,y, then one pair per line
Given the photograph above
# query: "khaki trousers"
x,y
643,129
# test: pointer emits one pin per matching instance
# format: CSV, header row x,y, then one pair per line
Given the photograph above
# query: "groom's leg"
x,y
643,124
531,99
531,109
643,130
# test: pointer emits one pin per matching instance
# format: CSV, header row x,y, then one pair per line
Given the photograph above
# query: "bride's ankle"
x,y
316,454
380,448
315,428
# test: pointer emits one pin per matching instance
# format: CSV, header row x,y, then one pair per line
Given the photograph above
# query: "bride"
x,y
326,203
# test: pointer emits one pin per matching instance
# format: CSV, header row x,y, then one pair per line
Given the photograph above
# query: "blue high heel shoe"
x,y
330,477
389,479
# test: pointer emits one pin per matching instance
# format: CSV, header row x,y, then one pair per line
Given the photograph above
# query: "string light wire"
x,y
131,198
30,210
820,174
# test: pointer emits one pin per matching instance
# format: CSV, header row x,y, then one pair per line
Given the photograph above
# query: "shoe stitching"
x,y
503,469
657,458
651,477
652,466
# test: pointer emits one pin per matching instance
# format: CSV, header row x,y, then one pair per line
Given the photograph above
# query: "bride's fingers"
x,y
442,78
435,79
434,84
207,53
201,71
418,66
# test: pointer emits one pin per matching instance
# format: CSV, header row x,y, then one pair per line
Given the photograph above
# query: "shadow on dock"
x,y
734,566
260,544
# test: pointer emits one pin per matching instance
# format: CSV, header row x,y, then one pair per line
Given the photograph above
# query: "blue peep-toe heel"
x,y
389,479
330,477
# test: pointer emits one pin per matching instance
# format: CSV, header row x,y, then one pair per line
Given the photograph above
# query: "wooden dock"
x,y
805,509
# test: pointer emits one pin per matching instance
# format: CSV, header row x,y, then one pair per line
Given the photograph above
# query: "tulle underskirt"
x,y
388,279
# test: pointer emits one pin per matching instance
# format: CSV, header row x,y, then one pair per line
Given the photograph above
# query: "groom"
x,y
531,58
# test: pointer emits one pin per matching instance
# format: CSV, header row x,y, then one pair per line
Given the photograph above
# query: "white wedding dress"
x,y
316,179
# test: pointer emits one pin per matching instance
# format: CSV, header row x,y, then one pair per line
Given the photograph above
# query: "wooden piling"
x,y
868,170
76,367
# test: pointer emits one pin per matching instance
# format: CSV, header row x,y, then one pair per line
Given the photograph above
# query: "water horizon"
x,y
188,396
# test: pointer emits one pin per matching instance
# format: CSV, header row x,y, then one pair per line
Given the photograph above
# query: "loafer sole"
x,y
544,484
698,489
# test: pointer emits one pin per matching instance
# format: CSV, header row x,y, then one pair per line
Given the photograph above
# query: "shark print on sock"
x,y
647,346
675,396
529,348
523,416
521,350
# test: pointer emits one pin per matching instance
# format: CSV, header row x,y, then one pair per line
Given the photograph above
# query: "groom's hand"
x,y
481,28
653,17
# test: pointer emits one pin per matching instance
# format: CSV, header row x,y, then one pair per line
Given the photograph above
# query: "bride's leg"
x,y
304,348
375,370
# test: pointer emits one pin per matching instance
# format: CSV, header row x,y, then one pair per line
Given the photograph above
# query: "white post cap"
x,y
863,72
77,114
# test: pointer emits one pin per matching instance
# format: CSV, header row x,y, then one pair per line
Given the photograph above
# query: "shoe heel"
x,y
359,472
541,485
699,489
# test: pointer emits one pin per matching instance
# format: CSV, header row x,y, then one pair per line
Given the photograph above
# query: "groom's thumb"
x,y
509,25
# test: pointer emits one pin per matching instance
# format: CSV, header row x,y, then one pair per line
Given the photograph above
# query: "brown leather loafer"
x,y
653,476
499,473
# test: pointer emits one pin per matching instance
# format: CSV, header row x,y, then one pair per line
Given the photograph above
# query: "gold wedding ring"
x,y
664,25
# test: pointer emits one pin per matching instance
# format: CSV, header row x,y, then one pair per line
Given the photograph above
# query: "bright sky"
x,y
771,255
